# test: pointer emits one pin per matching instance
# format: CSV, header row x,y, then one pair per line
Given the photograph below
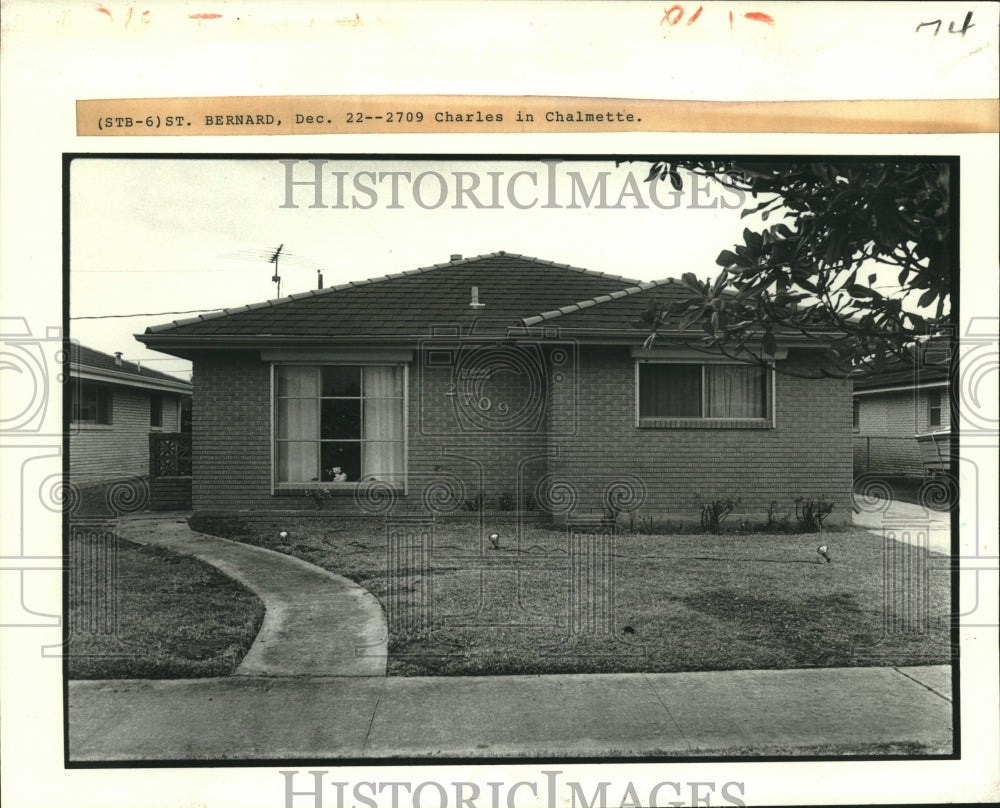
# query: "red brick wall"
x,y
807,452
231,432
493,436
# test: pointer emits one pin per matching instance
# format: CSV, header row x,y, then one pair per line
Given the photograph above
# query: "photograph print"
x,y
439,458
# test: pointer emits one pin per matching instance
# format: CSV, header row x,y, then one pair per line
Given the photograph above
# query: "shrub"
x,y
506,502
810,513
321,497
774,521
714,512
475,503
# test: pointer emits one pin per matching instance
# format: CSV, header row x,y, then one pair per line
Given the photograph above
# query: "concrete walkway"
x,y
316,623
904,522
589,715
303,692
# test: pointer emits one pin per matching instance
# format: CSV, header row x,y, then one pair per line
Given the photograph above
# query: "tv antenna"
x,y
276,278
279,256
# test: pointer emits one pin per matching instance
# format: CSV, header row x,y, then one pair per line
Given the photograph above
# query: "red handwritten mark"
x,y
103,10
730,19
676,18
204,16
756,16
695,16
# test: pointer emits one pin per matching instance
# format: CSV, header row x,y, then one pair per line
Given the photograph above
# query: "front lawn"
x,y
683,602
176,616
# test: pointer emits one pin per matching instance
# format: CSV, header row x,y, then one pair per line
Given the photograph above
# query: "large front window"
x,y
702,391
338,423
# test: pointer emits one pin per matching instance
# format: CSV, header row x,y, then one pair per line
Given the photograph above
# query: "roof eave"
x,y
178,344
129,379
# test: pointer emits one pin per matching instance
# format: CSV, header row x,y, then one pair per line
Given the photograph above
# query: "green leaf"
x,y
927,298
769,343
727,258
692,283
857,290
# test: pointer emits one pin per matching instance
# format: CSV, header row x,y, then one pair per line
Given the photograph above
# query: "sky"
x,y
149,236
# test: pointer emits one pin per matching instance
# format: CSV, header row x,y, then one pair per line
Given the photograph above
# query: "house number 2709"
x,y
483,403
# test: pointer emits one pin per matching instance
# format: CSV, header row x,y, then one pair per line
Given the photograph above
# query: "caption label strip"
x,y
339,115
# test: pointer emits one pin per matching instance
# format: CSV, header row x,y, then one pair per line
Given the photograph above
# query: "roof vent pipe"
x,y
319,278
474,303
118,358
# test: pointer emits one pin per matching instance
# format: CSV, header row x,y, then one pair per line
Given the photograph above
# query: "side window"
x,y
92,404
155,411
702,392
934,408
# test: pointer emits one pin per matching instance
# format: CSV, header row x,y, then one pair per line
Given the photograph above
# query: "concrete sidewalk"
x,y
316,623
904,521
590,715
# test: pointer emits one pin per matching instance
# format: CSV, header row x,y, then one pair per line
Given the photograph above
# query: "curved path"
x,y
316,623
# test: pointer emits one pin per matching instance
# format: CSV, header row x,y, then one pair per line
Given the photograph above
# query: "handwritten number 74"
x,y
951,26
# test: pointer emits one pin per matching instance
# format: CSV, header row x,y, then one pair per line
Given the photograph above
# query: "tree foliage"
x,y
811,270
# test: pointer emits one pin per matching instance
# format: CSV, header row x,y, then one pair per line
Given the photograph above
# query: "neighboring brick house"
x,y
902,414
114,406
503,381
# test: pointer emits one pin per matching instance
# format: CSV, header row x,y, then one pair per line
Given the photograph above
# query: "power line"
x,y
163,271
142,314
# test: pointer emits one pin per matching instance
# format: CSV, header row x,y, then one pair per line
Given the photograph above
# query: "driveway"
x,y
902,521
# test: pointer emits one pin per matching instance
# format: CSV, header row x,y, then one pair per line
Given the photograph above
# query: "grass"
x,y
689,602
177,618
93,499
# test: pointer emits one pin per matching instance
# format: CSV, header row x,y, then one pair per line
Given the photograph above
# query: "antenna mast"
x,y
276,278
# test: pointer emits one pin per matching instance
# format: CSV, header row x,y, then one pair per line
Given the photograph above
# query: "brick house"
x,y
114,406
497,381
902,414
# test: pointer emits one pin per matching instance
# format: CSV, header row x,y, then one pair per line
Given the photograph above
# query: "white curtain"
x,y
298,423
382,444
734,391
295,381
298,461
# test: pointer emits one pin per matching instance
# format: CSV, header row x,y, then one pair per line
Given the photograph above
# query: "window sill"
x,y
704,423
81,427
329,489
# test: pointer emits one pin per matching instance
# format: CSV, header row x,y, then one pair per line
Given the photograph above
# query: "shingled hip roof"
x,y
515,293
89,363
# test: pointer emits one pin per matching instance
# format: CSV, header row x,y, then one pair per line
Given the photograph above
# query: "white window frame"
x,y
705,422
329,484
